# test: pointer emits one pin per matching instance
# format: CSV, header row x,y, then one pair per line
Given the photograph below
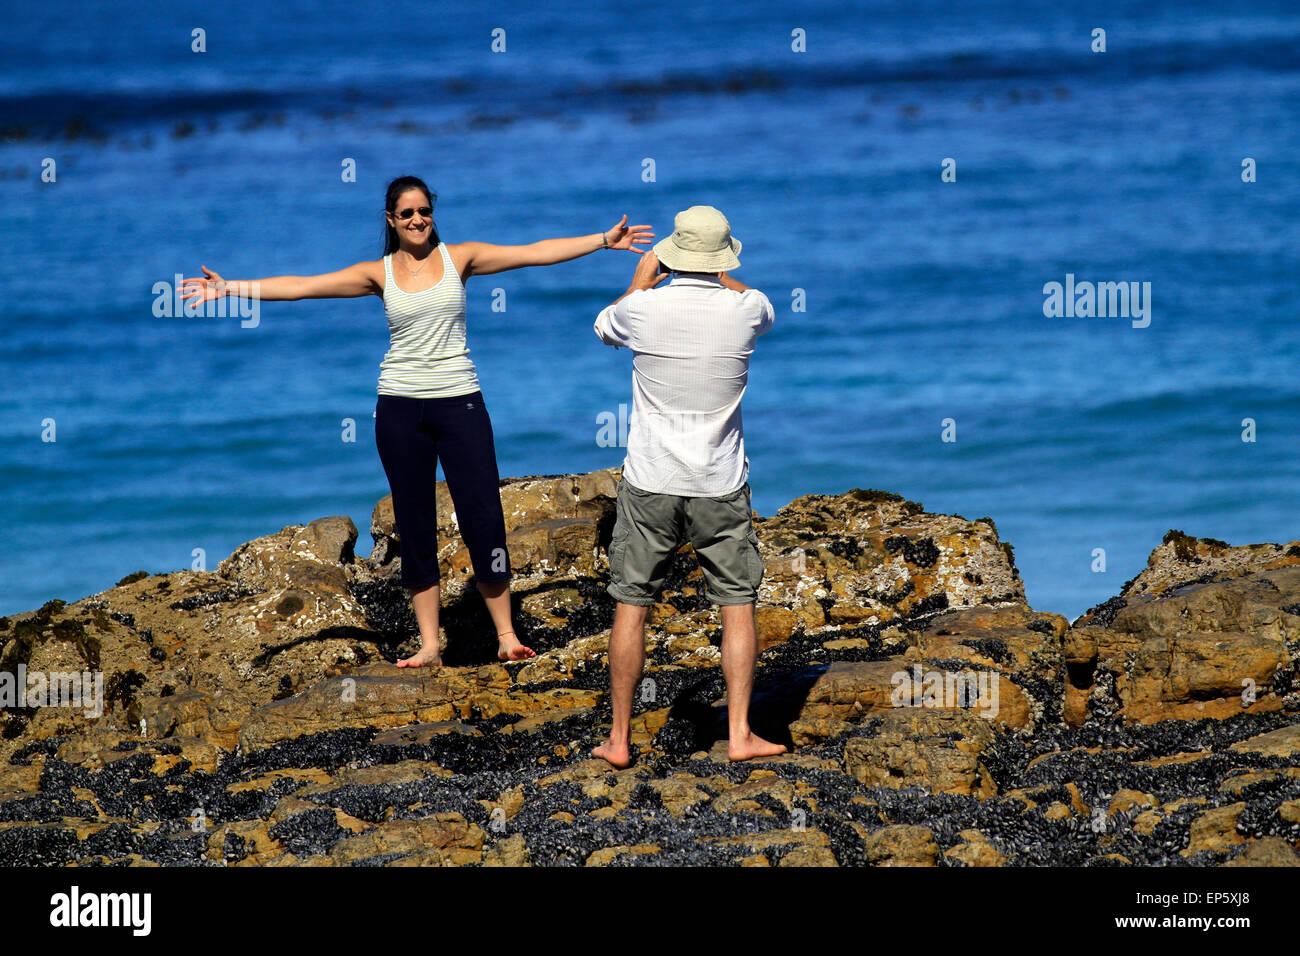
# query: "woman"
x,y
430,407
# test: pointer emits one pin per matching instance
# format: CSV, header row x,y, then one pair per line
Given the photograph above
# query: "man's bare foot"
x,y
509,648
746,748
427,657
614,753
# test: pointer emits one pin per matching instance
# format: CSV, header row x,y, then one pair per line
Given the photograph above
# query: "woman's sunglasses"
x,y
425,211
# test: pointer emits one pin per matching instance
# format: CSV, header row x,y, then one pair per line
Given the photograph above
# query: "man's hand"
x,y
647,274
735,285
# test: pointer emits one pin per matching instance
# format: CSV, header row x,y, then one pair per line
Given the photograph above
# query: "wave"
x,y
90,113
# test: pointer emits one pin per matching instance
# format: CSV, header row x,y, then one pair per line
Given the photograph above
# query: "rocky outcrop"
x,y
253,716
1206,630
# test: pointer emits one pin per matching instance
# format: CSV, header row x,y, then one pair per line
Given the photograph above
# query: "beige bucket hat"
x,y
701,242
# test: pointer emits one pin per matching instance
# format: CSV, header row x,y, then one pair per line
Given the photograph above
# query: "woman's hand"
x,y
196,290
623,236
364,278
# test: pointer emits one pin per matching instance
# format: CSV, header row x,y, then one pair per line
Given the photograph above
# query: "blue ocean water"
x,y
923,298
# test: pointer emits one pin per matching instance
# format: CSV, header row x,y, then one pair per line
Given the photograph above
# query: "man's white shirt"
x,y
691,341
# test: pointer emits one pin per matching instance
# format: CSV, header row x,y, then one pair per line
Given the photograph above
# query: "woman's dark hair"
x,y
395,189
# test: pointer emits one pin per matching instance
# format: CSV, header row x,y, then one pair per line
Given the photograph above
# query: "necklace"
x,y
416,272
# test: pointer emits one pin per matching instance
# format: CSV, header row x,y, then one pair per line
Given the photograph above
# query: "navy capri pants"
x,y
412,434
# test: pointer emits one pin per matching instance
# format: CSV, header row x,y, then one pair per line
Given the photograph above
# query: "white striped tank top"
x,y
427,356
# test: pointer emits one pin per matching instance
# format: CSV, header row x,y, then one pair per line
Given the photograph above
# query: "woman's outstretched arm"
x,y
364,278
483,258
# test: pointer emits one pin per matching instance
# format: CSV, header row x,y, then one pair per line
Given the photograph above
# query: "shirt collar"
x,y
696,279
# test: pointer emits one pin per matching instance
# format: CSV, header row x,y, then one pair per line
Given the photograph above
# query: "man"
x,y
685,477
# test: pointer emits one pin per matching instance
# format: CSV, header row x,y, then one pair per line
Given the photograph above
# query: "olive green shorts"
x,y
650,527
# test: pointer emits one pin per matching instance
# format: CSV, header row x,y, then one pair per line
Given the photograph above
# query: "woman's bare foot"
x,y
426,657
752,745
509,648
614,753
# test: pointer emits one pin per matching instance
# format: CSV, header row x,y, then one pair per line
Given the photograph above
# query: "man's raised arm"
x,y
613,325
